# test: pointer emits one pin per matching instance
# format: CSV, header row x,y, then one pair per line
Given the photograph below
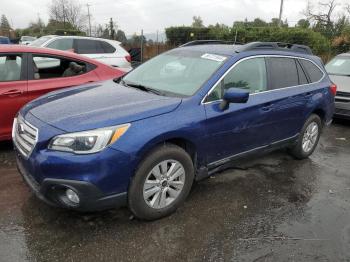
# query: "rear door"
x,y
288,91
47,73
90,48
13,89
102,51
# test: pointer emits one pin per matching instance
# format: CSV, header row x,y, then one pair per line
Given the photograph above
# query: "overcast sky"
x,y
152,15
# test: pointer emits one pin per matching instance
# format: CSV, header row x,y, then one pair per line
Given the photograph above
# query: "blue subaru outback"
x,y
141,140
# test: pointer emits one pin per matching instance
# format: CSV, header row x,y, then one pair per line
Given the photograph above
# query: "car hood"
x,y
98,105
342,82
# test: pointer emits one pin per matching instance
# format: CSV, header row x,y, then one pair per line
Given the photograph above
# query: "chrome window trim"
x,y
262,56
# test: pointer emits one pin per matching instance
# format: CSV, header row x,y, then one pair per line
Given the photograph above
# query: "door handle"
x,y
13,92
308,94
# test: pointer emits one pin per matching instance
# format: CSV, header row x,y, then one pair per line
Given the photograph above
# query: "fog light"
x,y
72,196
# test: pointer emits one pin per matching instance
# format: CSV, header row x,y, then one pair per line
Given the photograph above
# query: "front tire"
x,y
308,138
161,183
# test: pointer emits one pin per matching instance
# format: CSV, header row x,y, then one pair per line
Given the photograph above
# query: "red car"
x,y
28,72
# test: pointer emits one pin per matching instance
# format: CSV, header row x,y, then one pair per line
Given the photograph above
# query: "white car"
x,y
107,51
26,40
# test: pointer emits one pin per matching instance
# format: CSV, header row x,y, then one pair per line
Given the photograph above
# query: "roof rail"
x,y
209,42
278,46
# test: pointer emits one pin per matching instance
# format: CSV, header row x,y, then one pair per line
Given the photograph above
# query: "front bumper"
x,y
342,106
52,192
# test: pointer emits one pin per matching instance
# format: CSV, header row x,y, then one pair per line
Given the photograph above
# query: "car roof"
x,y
344,54
80,37
43,50
231,49
220,49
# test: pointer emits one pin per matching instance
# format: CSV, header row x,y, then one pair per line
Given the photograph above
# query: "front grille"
x,y
25,136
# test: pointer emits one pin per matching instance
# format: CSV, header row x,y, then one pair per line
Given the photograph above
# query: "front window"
x,y
178,72
249,74
62,44
340,65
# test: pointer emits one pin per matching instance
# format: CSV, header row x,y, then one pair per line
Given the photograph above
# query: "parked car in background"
x,y
4,40
107,51
26,40
24,77
141,140
339,71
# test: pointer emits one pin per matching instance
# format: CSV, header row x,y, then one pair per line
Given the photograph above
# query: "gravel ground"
x,y
270,208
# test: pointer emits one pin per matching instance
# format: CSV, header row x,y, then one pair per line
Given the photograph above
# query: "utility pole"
x,y
280,16
88,8
157,44
142,46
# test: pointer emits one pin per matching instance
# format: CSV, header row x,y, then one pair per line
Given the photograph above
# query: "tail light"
x,y
333,89
128,58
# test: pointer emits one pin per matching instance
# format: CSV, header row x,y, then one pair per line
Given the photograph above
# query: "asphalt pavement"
x,y
269,208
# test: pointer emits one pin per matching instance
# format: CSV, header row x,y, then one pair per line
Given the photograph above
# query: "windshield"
x,y
27,38
178,72
41,40
339,65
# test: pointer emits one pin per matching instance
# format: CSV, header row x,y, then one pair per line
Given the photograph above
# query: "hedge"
x,y
294,35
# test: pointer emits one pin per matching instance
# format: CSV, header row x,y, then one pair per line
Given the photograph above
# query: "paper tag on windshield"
x,y
213,57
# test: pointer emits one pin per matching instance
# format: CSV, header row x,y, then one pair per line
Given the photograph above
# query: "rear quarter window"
x,y
315,74
108,49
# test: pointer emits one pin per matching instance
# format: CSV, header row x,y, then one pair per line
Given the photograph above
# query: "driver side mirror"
x,y
234,95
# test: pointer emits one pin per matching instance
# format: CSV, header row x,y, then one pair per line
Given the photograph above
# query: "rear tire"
x,y
308,138
161,183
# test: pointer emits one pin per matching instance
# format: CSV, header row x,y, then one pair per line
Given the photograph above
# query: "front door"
x,y
13,90
242,127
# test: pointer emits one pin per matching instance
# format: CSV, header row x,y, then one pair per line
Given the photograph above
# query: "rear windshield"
x,y
339,65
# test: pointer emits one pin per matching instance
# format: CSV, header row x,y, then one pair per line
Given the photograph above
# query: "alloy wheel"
x,y
164,184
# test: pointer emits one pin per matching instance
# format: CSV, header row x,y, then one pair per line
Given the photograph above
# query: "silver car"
x,y
339,72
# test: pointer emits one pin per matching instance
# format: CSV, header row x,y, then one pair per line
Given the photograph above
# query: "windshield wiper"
x,y
142,87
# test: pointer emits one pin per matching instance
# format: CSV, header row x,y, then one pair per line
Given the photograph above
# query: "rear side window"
x,y
87,46
10,68
315,74
283,72
62,44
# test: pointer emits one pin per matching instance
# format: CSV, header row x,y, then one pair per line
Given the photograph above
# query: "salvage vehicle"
x,y
27,73
142,139
26,40
107,51
338,70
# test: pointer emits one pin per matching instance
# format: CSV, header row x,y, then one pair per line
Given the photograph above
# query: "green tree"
x,y
4,24
197,22
121,37
303,23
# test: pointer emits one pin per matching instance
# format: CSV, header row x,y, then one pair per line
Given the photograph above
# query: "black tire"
x,y
297,150
136,202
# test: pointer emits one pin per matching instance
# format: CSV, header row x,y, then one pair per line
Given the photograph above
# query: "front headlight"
x,y
88,142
